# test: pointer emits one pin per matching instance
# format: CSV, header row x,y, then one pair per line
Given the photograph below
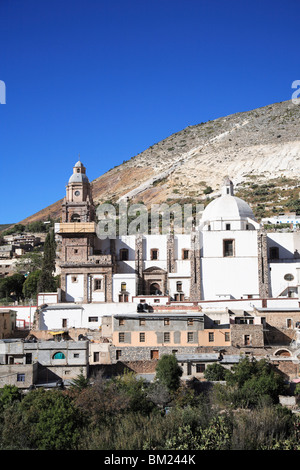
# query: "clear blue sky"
x,y
107,79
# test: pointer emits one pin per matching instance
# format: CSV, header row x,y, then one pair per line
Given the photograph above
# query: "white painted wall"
x,y
277,273
129,279
74,290
186,283
78,316
236,276
232,276
96,295
287,243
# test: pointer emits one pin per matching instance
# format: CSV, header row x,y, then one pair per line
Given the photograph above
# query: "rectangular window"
x,y
227,226
227,336
64,322
28,358
247,340
20,377
93,319
142,337
98,284
190,321
211,337
228,247
185,254
121,321
118,354
142,321
200,368
154,354
167,321
190,337
166,337
96,356
154,254
121,337
76,355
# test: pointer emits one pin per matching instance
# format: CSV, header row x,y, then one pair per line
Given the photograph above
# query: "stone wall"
x,y
195,289
253,332
134,354
263,267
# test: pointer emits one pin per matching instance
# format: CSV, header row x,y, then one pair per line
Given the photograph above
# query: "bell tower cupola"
x,y
227,188
78,204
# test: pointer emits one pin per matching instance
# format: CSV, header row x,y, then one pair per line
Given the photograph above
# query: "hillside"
x,y
258,149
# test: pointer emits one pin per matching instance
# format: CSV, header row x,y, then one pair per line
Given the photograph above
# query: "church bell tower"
x,y
86,272
78,204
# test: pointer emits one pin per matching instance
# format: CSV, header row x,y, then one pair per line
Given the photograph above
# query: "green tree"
x,y
168,372
47,282
135,389
36,227
30,286
12,286
52,421
215,372
9,394
79,383
254,382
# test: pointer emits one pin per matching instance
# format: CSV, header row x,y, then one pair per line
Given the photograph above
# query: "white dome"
x,y
227,207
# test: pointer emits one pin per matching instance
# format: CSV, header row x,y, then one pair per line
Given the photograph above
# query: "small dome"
x,y
227,207
78,164
78,178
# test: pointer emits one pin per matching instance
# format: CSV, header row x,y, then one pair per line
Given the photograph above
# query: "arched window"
x,y
75,218
155,289
283,353
123,254
59,355
154,253
179,286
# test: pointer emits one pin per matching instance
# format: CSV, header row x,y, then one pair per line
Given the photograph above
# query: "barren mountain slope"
x,y
256,145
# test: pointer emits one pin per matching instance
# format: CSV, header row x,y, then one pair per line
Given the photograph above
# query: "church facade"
x,y
227,256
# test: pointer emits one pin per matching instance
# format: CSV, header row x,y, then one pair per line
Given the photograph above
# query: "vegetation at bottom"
x,y
126,413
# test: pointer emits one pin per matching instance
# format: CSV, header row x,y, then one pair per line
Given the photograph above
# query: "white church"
x,y
227,256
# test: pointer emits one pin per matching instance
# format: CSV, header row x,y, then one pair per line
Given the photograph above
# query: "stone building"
x,y
8,320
